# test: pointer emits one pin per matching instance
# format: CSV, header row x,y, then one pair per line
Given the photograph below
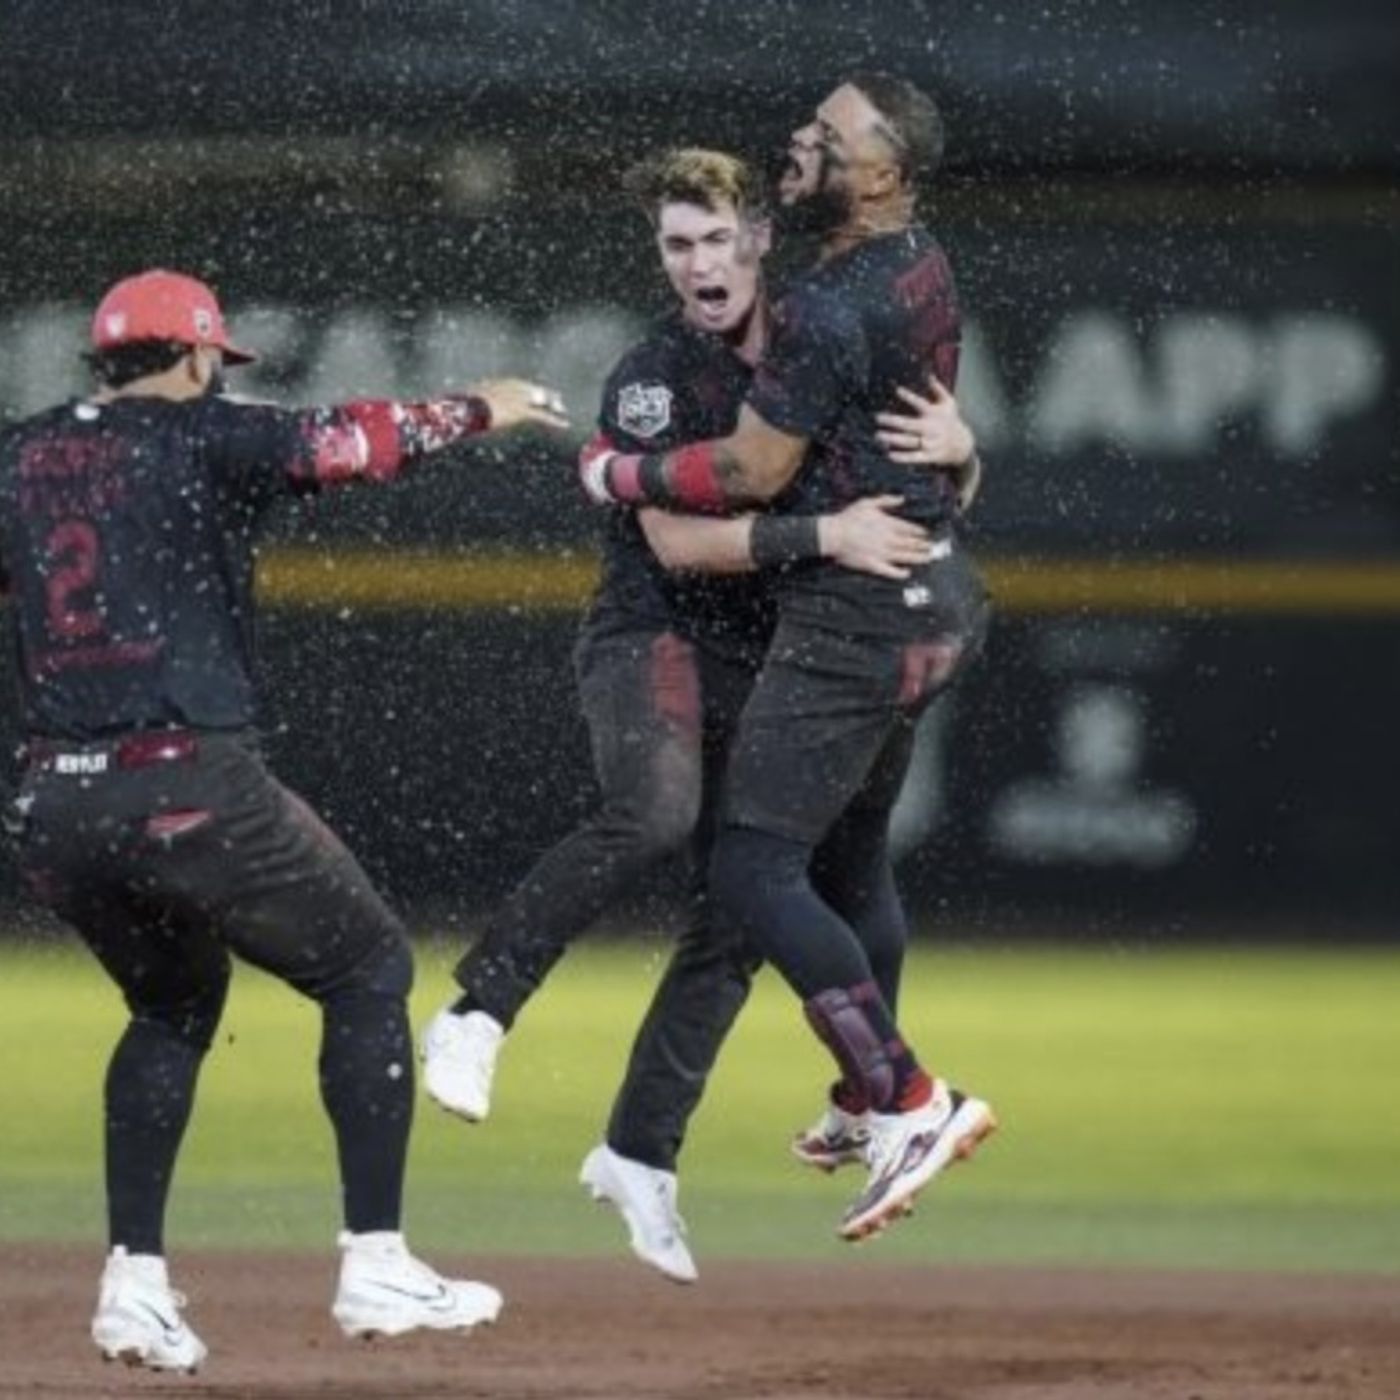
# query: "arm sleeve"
x,y
811,366
269,449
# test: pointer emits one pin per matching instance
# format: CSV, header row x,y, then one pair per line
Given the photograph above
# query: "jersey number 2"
x,y
74,548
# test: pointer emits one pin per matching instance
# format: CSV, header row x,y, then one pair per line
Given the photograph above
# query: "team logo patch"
x,y
644,409
203,322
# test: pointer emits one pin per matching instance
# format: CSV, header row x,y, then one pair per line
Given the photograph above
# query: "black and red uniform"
x,y
855,659
828,729
145,815
665,664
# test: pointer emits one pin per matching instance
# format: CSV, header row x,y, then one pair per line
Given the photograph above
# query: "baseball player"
x,y
855,658
145,815
666,659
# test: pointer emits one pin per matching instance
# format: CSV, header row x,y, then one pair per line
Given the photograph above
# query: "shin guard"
x,y
845,1026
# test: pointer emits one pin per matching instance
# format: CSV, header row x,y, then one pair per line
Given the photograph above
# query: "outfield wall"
x,y
1175,243
1191,526
1096,772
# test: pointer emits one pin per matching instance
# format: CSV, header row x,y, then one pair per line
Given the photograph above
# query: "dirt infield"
x,y
575,1329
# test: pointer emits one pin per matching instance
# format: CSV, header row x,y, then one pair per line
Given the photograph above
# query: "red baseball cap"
x,y
160,305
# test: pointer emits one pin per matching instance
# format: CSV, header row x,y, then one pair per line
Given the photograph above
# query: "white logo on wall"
x,y
1096,811
306,356
644,409
1170,394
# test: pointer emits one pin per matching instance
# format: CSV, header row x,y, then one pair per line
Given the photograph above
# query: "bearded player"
x,y
665,662
855,659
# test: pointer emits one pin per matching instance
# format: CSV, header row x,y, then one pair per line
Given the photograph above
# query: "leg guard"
x,y
842,1022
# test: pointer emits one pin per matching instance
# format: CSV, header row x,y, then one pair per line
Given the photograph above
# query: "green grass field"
x,y
1217,1108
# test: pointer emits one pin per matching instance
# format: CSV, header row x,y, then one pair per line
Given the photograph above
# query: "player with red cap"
x,y
146,816
161,305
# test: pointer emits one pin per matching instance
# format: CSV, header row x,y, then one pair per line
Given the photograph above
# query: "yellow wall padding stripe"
x,y
398,578
1187,586
390,579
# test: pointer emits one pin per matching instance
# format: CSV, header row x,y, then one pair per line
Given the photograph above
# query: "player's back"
x,y
127,545
849,334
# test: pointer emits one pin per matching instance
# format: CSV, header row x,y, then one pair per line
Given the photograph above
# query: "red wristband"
x,y
692,478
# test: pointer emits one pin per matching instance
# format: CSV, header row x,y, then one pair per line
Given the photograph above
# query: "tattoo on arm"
x,y
730,471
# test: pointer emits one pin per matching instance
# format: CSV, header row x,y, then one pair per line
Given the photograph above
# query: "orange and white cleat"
x,y
907,1150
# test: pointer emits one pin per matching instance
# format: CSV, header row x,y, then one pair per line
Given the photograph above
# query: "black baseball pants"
x,y
662,714
170,850
825,740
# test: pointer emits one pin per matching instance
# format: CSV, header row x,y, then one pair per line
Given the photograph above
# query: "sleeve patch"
x,y
644,410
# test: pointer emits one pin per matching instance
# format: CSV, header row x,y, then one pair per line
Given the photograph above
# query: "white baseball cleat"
x,y
645,1197
138,1316
384,1291
907,1150
836,1139
459,1061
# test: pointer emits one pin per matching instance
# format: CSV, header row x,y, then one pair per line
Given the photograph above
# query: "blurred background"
x,y
1175,231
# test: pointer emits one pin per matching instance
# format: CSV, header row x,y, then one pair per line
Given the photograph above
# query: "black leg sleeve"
x,y
149,1093
366,1071
760,881
853,873
174,977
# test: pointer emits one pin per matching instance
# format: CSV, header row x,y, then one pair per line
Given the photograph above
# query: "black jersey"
x,y
844,338
127,539
678,385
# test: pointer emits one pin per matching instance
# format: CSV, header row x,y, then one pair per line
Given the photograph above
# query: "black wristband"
x,y
652,485
784,539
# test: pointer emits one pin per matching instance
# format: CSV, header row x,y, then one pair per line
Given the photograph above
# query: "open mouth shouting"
x,y
791,177
712,304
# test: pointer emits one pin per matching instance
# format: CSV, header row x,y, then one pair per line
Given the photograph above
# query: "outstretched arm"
x,y
373,438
